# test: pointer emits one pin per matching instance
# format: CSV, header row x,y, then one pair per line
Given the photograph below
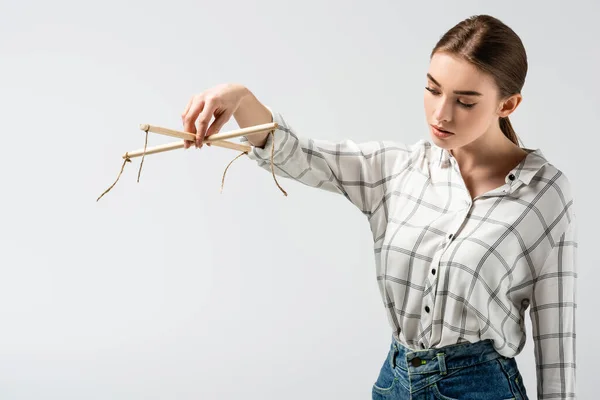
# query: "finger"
x,y
187,107
216,126
202,122
190,118
187,143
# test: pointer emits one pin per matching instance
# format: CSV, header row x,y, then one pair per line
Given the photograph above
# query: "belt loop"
x,y
442,362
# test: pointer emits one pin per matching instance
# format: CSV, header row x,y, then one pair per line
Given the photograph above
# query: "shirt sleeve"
x,y
359,171
553,319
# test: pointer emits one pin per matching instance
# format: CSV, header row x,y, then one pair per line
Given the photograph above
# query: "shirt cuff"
x,y
280,136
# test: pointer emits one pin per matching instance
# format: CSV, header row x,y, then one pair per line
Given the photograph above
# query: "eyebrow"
x,y
463,92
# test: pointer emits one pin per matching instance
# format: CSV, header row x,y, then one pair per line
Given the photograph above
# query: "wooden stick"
x,y
212,138
218,139
179,145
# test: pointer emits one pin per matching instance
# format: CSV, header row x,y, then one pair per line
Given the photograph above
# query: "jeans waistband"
x,y
444,358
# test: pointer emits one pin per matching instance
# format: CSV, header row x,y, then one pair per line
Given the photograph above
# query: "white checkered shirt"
x,y
451,269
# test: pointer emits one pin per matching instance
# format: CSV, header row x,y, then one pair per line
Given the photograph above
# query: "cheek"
x,y
428,104
477,118
472,123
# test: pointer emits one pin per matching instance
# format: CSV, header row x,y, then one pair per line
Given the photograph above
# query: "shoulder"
x,y
555,197
552,180
395,150
555,179
418,147
416,153
421,148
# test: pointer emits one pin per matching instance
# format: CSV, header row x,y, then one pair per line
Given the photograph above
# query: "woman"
x,y
469,228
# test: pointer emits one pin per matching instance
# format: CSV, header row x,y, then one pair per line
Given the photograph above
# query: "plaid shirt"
x,y
450,268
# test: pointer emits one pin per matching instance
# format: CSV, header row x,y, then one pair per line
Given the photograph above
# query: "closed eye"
x,y
435,93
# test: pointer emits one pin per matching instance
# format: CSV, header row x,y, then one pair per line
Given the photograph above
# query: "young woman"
x,y
469,228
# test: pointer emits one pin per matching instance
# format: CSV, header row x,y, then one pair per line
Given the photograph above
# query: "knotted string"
x,y
127,159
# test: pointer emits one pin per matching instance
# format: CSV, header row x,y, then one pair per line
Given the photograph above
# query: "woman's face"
x,y
460,99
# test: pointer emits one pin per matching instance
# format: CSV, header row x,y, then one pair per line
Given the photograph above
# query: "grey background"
x,y
167,289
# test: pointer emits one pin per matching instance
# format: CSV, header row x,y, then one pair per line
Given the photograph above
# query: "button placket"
x,y
434,266
451,234
425,312
433,280
449,238
427,316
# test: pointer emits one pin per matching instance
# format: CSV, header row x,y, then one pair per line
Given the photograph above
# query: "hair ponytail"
x,y
509,132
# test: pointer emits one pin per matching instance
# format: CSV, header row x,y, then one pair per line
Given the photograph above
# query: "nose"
x,y
443,111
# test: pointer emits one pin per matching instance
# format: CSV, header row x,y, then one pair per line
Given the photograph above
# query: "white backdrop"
x,y
167,289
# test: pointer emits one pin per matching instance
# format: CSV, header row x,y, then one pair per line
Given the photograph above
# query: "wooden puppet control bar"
x,y
217,139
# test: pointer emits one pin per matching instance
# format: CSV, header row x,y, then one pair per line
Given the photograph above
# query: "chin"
x,y
441,142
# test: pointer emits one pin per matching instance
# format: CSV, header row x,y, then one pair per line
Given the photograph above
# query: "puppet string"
x,y
127,159
143,155
272,167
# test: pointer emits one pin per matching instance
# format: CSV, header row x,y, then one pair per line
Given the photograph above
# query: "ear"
x,y
510,104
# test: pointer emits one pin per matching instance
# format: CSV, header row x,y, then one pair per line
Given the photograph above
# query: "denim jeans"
x,y
465,371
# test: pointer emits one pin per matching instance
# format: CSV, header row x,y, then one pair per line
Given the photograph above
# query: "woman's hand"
x,y
220,101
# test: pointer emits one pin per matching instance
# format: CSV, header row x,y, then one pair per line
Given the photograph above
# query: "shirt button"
x,y
416,361
433,271
450,236
426,308
511,177
422,346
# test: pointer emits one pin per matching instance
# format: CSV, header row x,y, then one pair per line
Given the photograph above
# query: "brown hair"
x,y
493,48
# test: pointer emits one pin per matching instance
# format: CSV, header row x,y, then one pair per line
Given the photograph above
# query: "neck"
x,y
486,153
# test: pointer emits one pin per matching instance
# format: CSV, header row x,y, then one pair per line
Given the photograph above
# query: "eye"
x,y
466,105
435,93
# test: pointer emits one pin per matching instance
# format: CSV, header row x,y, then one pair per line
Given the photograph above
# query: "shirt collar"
x,y
530,166
524,171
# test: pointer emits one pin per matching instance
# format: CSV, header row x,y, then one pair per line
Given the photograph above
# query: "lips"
x,y
441,130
